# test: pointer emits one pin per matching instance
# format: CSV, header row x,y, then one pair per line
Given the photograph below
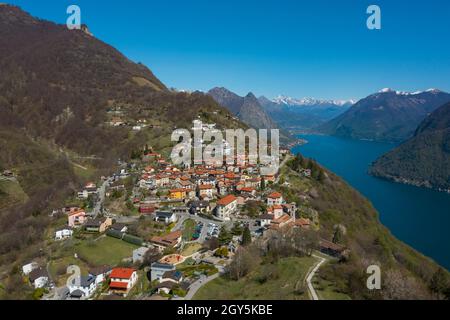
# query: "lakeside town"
x,y
154,230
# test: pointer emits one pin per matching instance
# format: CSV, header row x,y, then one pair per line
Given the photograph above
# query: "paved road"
x,y
101,199
198,284
311,275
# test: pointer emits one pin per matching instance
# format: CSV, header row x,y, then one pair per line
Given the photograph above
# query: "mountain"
x,y
423,160
62,93
247,109
303,114
386,116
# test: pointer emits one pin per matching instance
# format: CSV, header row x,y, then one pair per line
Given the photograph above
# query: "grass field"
x,y
279,281
107,250
188,229
190,249
326,290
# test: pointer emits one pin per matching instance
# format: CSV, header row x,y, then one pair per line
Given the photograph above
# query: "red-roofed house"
x,y
274,198
226,206
122,280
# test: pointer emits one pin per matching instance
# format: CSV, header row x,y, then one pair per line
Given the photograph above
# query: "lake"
x,y
419,217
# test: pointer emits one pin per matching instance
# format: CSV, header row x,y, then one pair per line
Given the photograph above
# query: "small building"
x,y
199,207
265,220
119,227
26,269
63,234
157,270
84,284
122,280
99,225
76,217
171,240
139,254
275,198
166,216
39,278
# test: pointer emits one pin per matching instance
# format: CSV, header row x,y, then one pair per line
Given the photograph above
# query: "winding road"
x,y
311,275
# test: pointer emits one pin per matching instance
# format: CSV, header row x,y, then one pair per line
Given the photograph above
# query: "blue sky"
x,y
318,48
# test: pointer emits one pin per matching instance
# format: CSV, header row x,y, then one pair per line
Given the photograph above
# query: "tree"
x,y
263,184
244,261
224,236
337,237
246,237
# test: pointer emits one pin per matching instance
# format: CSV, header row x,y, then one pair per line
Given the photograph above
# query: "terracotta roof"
x,y
118,285
122,273
205,187
226,200
274,195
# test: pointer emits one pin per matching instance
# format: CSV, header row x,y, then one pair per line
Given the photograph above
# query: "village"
x,y
154,230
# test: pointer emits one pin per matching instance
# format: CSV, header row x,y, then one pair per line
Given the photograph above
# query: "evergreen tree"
x,y
337,237
439,282
246,237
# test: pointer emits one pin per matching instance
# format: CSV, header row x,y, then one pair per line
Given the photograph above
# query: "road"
x,y
197,285
311,275
101,199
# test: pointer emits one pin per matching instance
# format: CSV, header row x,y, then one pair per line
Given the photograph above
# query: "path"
x,y
311,275
198,284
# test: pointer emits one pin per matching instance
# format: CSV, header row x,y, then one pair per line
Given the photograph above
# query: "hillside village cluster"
x,y
197,211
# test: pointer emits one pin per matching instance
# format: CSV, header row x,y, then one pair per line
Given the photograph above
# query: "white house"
x,y
274,198
226,207
63,234
26,269
166,216
84,284
39,278
139,254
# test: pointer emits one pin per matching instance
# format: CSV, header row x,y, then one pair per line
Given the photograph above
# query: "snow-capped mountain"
x,y
285,100
405,93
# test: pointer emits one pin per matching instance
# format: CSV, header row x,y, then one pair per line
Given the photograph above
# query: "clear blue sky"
x,y
299,48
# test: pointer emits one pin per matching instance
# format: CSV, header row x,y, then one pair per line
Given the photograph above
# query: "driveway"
x,y
311,275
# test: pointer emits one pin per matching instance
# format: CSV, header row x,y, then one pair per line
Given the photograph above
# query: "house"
x,y
166,216
63,234
207,191
170,240
159,269
276,211
98,225
226,207
26,269
196,207
174,276
100,273
265,220
331,248
76,217
120,227
139,254
39,278
122,280
83,195
86,285
281,222
303,223
177,194
275,198
146,208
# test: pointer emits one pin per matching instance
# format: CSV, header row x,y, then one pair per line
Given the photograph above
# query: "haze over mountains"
x,y
303,114
386,116
423,160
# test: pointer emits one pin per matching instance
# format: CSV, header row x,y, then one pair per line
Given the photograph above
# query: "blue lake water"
x,y
419,217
